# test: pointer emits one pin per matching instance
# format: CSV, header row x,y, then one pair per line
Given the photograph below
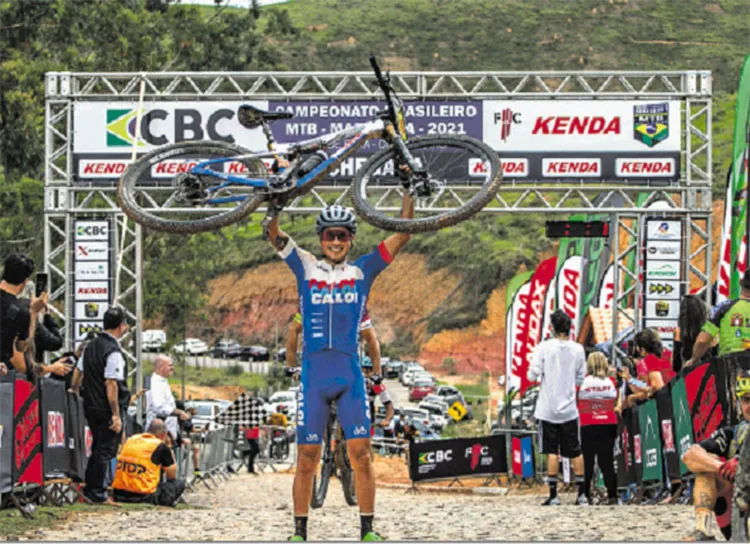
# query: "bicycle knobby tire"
x,y
436,222
127,184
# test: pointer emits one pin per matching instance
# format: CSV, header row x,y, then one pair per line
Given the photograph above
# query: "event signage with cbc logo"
x,y
630,140
105,131
93,266
663,270
635,140
456,457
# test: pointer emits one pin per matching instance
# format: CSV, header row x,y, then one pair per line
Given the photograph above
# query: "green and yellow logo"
x,y
422,459
121,127
651,123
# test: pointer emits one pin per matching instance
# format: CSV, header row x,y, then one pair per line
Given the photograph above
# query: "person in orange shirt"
x,y
140,465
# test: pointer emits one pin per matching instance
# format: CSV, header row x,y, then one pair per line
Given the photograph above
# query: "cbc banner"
x,y
663,273
93,266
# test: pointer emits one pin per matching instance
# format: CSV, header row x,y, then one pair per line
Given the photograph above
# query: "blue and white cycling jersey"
x,y
333,298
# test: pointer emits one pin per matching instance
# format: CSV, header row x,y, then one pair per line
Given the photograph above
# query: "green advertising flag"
x,y
739,178
514,285
683,426
648,418
596,257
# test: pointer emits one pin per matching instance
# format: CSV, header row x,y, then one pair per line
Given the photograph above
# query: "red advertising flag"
x,y
28,434
541,283
569,296
519,333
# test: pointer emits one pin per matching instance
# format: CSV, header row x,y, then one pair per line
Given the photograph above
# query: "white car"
x,y
193,346
207,411
408,377
153,340
417,414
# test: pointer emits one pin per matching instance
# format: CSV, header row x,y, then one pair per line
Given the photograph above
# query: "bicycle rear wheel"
x,y
150,196
320,485
462,173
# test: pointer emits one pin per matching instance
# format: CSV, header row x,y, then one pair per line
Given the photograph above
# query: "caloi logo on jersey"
x,y
322,292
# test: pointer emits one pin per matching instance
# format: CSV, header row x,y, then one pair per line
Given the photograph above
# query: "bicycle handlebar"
x,y
385,86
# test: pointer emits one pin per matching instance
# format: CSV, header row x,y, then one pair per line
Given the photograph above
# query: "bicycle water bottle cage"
x,y
252,117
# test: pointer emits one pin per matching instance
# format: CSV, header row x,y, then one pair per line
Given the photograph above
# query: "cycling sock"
x,y
552,483
703,519
581,483
300,526
365,524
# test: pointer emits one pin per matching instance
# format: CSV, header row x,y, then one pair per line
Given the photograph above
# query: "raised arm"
x,y
396,241
278,238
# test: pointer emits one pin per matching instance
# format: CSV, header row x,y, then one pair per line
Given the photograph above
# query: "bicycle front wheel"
x,y
463,176
156,193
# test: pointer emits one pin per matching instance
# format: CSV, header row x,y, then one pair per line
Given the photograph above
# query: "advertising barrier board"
x,y
456,457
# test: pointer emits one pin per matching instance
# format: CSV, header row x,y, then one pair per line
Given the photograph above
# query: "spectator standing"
x,y
729,320
655,361
183,438
139,469
559,365
18,317
105,398
160,401
693,315
596,405
252,436
47,337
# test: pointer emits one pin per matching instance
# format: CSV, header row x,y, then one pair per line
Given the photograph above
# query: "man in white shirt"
x,y
160,402
559,365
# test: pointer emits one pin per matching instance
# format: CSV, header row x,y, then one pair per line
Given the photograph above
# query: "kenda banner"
x,y
517,377
623,140
510,325
436,459
569,292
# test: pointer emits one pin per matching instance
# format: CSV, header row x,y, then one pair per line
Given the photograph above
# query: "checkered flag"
x,y
246,410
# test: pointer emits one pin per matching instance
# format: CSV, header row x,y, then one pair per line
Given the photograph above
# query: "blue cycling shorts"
x,y
331,376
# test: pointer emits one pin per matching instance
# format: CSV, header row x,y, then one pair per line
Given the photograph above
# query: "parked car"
x,y
434,399
281,355
439,417
417,414
424,375
255,353
207,411
226,349
408,376
425,432
420,389
191,346
411,365
446,391
153,340
392,369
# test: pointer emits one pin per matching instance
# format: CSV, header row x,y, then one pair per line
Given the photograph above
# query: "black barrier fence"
x,y
651,438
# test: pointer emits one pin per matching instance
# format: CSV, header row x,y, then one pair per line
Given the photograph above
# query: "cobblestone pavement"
x,y
260,508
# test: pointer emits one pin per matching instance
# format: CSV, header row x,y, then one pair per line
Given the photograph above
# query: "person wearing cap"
x,y
714,462
730,320
105,398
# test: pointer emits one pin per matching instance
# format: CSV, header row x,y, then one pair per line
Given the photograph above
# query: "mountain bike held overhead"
x,y
210,195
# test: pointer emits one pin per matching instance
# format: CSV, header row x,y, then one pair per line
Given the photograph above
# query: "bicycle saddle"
x,y
252,117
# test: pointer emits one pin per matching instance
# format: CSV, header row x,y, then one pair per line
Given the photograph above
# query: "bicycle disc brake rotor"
x,y
427,191
190,188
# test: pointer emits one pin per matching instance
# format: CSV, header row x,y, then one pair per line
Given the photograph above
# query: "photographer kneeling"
x,y
139,469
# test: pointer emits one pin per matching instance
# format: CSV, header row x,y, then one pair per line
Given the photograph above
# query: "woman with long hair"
x,y
596,405
693,315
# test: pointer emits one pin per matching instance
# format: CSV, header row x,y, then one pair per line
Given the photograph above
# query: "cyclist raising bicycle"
x,y
333,295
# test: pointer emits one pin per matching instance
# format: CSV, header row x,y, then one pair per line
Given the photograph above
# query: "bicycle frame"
x,y
353,137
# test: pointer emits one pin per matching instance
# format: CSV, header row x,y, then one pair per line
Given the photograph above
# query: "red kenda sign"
x,y
102,168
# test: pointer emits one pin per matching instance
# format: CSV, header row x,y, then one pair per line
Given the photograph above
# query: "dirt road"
x,y
260,508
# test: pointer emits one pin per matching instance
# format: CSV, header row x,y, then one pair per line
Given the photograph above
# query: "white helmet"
x,y
336,216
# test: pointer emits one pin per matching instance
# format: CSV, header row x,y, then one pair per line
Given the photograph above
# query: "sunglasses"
x,y
333,235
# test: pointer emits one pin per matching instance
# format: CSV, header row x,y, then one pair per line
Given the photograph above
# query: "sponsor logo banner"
x,y
662,309
102,168
664,250
92,290
511,167
92,270
91,251
92,311
663,230
663,326
91,230
669,290
457,457
569,296
646,168
572,168
663,270
570,125
518,332
83,328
